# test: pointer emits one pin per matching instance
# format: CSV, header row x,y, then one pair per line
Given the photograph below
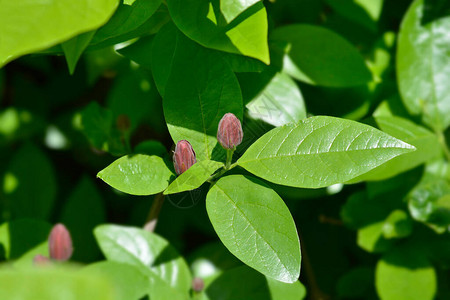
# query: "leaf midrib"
x,y
251,225
322,153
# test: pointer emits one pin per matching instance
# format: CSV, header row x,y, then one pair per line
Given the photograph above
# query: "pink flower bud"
x,y
230,132
198,284
183,156
60,243
41,260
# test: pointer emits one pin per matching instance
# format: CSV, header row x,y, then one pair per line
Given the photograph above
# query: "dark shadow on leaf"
x,y
25,234
239,283
167,255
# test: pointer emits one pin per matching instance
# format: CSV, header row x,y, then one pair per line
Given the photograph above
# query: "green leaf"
x,y
129,282
405,274
356,284
194,177
397,225
57,21
74,47
243,211
65,284
200,21
239,63
318,56
371,239
100,129
167,272
26,260
198,88
151,147
150,26
135,96
427,201
126,19
137,174
423,66
139,51
229,286
84,203
233,8
363,12
272,97
320,151
23,181
426,143
19,236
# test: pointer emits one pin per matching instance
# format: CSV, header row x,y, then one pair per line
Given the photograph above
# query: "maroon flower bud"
x,y
183,156
41,260
198,284
230,132
60,243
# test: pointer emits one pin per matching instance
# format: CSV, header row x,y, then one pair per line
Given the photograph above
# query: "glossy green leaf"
x,y
167,272
371,239
137,174
126,19
65,284
19,236
245,283
427,201
200,21
397,225
194,177
149,27
320,151
319,56
129,282
74,47
84,203
405,274
243,211
233,8
23,181
57,20
198,88
272,97
139,51
426,143
423,66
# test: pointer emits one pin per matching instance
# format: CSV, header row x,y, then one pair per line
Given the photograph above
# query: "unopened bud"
x,y
41,260
229,133
183,157
198,284
60,243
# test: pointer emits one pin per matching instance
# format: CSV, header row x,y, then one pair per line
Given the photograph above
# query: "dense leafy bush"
x,y
328,177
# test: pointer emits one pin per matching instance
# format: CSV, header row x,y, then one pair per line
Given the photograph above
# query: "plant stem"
x,y
443,142
153,214
229,158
